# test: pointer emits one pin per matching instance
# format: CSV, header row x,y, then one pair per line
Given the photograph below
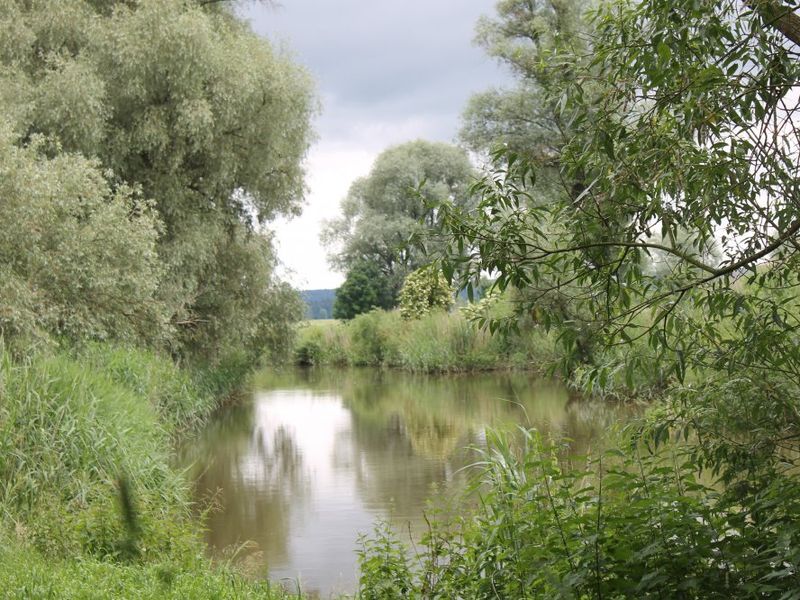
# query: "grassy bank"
x,y
438,343
90,505
444,342
27,574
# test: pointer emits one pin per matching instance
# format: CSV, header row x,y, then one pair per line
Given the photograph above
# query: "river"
x,y
312,458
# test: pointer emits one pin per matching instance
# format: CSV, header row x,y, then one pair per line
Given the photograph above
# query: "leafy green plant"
x,y
630,523
423,291
385,570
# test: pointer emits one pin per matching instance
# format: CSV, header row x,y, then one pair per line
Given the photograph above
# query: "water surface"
x,y
315,457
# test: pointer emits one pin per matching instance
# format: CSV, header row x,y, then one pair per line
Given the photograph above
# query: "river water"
x,y
313,458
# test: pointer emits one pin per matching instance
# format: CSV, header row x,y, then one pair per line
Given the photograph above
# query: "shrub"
x,y
370,337
633,524
309,349
424,290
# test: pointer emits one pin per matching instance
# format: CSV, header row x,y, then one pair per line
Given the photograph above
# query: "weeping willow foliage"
x,y
143,145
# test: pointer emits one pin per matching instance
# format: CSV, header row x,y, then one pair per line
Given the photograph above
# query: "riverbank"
x,y
451,342
437,343
90,504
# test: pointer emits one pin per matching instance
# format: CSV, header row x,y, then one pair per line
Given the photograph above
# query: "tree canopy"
x,y
392,204
365,288
524,119
181,105
683,137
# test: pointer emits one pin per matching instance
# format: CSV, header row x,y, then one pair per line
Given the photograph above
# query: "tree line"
x,y
143,147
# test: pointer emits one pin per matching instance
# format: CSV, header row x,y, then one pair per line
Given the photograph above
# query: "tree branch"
x,y
780,16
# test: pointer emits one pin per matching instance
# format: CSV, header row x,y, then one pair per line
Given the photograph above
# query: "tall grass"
x,y
439,342
68,433
633,524
89,504
183,398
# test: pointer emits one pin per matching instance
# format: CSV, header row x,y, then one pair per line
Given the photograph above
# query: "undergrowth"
x,y
436,343
632,524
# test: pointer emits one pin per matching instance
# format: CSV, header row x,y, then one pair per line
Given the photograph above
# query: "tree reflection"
x,y
304,468
255,477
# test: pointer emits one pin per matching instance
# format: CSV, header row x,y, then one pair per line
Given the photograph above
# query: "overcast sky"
x,y
386,73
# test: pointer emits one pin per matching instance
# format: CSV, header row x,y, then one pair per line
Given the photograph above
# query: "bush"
x,y
371,335
633,524
322,343
309,350
385,569
424,290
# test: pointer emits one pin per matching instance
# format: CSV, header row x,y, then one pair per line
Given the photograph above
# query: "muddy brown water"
x,y
312,458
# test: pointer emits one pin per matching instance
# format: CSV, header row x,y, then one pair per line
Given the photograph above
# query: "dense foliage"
x,y
383,210
78,258
670,244
365,287
691,147
438,342
158,122
423,291
632,524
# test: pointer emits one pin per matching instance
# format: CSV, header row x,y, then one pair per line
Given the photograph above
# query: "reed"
x,y
439,342
90,505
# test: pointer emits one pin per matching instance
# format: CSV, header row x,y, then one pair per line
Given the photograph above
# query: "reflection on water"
x,y
318,456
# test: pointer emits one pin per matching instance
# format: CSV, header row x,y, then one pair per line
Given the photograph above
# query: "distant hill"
x,y
319,303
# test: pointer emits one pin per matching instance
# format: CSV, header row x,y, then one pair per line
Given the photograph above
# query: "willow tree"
x,y
182,102
524,118
684,128
385,209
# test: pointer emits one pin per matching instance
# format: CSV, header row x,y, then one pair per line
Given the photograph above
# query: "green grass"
x,y
438,343
68,433
28,575
90,506
182,398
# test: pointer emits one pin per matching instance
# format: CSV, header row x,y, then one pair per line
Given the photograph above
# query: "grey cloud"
x,y
386,60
